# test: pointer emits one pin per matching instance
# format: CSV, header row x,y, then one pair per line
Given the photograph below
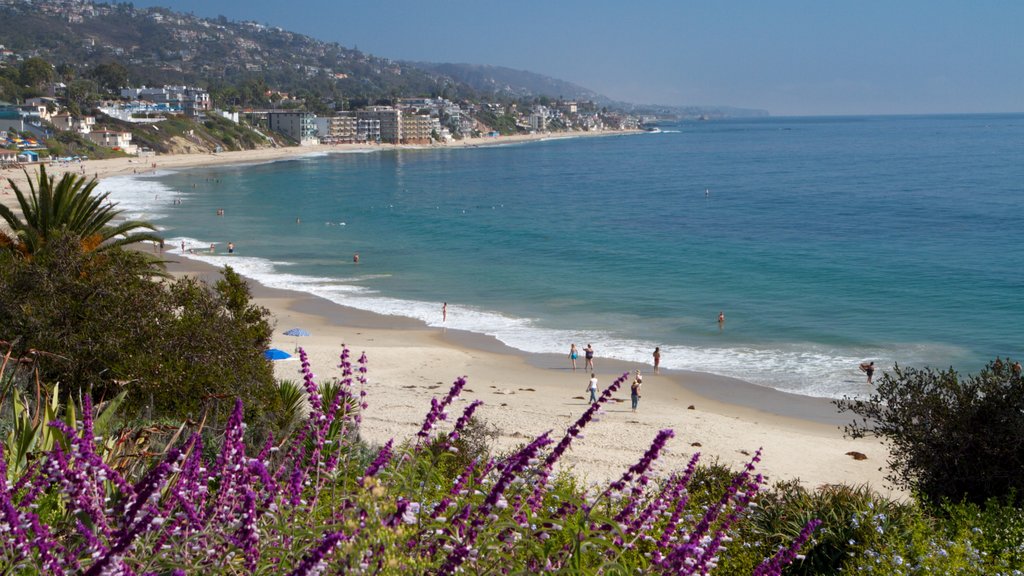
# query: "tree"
x,y
950,437
111,76
67,207
35,72
181,349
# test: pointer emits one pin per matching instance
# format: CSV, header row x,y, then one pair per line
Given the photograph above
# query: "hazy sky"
x,y
790,57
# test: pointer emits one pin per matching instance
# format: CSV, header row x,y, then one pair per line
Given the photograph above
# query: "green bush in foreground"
x,y
950,437
180,348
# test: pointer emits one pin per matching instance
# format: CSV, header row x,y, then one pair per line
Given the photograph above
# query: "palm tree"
x,y
67,207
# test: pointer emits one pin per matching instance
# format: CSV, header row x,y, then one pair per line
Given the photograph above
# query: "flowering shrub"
x,y
314,502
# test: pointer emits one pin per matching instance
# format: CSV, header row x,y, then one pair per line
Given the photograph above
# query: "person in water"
x,y
869,369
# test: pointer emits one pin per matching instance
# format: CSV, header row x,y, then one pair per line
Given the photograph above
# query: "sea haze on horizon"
x,y
826,241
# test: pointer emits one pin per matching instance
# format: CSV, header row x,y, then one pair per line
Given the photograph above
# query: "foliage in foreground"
x,y
950,437
316,503
181,348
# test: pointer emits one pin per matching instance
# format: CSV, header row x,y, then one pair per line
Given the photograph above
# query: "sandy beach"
x,y
527,394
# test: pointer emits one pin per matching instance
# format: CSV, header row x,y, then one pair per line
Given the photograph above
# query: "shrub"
x,y
313,506
950,437
180,348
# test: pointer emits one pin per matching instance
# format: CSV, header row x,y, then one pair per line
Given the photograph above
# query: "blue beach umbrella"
x,y
276,354
296,332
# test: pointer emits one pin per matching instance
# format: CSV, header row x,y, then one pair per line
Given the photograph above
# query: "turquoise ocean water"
x,y
825,241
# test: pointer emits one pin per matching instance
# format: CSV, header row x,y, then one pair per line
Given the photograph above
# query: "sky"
x,y
789,57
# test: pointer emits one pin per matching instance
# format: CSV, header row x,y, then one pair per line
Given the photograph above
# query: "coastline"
x,y
527,394
131,165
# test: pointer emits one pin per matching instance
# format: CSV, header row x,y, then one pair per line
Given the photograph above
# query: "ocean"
x,y
825,242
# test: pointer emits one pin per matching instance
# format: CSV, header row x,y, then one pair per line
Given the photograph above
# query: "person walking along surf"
x,y
589,352
657,358
573,355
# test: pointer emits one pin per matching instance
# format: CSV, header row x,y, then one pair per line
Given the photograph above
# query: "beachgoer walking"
x,y
634,389
721,320
231,247
657,358
182,246
589,352
444,312
573,355
593,388
869,369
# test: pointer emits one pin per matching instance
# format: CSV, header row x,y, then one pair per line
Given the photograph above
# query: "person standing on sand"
x,y
634,390
869,369
589,352
573,355
657,358
592,387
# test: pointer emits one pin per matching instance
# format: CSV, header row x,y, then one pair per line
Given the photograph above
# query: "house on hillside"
x,y
114,140
10,118
69,123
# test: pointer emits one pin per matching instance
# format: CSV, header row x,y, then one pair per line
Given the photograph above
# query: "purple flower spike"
x,y
437,411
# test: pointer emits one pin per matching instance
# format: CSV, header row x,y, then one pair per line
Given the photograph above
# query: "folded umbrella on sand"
x,y
276,354
296,332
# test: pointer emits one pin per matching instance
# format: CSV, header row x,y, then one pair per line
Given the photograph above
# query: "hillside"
x,y
159,46
501,82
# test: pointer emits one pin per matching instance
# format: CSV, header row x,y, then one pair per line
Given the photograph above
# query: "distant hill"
x,y
160,46
507,82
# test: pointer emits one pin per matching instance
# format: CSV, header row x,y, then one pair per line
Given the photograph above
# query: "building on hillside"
x,y
82,125
185,99
297,125
538,119
114,140
10,118
419,128
390,120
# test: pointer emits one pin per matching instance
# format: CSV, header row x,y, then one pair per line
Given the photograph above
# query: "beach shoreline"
x,y
130,165
527,394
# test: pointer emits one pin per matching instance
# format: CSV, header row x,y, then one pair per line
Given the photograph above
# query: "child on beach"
x,y
592,387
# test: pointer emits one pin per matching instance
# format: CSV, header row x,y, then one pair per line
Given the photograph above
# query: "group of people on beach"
x,y
634,388
638,379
